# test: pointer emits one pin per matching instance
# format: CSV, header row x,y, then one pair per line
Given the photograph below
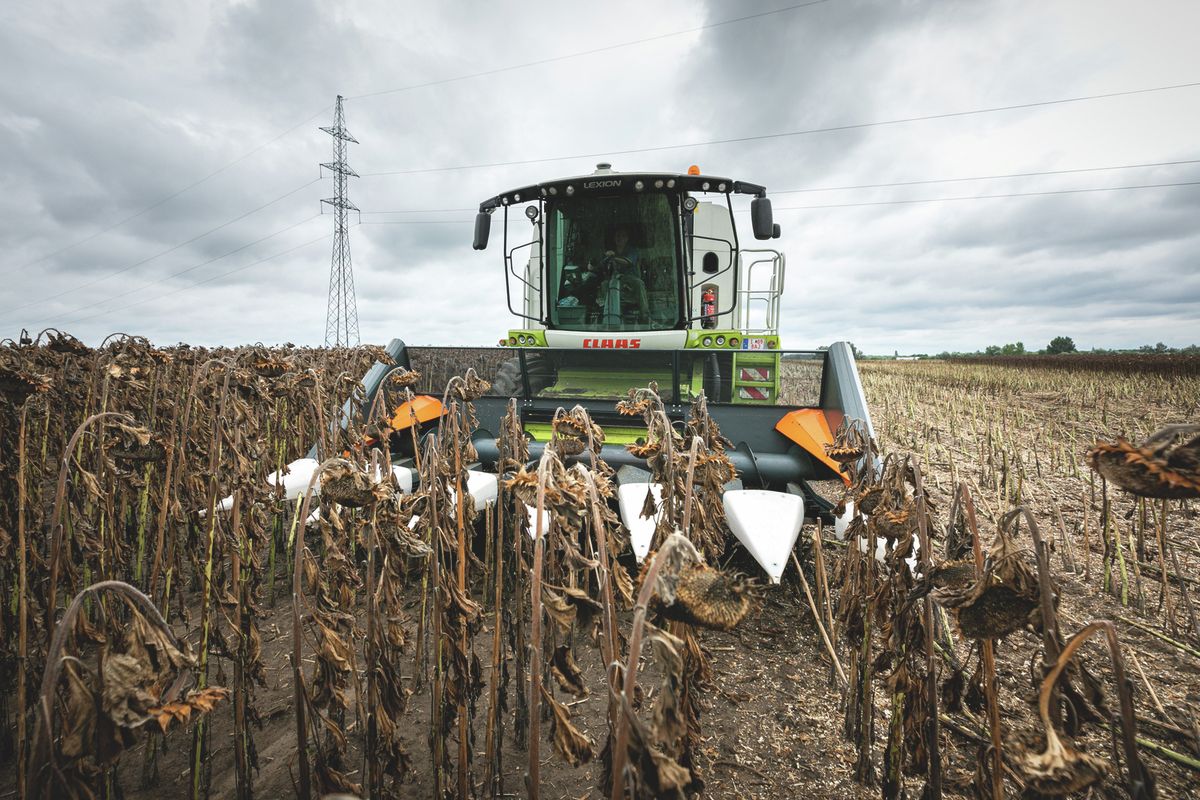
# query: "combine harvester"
x,y
630,278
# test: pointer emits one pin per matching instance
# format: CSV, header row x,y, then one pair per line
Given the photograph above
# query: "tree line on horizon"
x,y
1057,345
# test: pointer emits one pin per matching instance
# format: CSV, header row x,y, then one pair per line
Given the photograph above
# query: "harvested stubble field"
x,y
203,701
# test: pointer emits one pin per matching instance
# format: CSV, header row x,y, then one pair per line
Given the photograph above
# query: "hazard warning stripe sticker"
x,y
754,374
753,393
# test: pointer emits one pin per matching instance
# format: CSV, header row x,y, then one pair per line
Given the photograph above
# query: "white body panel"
x,y
631,498
482,487
531,513
713,233
533,291
840,524
636,340
300,472
295,482
767,524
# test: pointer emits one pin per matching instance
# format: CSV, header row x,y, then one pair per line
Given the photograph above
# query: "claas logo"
x,y
612,344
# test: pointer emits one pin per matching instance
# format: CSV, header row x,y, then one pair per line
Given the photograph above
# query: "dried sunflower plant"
x,y
147,556
144,546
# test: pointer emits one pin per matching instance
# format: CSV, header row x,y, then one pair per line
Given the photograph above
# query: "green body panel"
x,y
533,337
584,383
536,337
696,340
756,359
591,383
541,431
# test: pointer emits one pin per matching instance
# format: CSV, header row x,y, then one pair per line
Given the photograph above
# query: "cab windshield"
x,y
612,263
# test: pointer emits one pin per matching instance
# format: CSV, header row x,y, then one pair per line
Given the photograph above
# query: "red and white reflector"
x,y
753,393
754,374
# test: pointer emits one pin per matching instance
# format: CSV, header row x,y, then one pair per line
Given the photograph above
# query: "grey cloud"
x,y
123,103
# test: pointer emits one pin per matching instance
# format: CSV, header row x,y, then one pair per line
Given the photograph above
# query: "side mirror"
x,y
761,219
775,231
483,226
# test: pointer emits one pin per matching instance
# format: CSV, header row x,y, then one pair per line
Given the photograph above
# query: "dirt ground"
x,y
771,724
968,423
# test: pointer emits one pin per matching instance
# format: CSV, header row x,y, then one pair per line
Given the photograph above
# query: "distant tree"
x,y
1061,344
1010,349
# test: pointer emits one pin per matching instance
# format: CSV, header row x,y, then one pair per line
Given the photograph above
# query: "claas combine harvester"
x,y
630,278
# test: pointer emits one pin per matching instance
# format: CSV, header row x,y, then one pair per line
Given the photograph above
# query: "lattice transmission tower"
x,y
341,317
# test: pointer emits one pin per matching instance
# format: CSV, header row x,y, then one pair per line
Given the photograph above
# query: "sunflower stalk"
x,y
990,686
621,749
535,631
200,733
22,606
933,775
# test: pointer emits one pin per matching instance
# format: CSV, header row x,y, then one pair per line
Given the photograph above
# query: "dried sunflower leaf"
x,y
567,672
125,698
572,745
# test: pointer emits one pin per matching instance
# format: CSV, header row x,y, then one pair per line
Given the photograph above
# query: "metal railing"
x,y
749,298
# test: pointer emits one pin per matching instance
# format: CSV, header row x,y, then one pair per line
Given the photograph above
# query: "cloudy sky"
x,y
158,161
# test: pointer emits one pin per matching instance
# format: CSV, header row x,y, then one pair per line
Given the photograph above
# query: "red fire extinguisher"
x,y
708,307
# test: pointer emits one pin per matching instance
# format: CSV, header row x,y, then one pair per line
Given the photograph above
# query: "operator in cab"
x,y
622,291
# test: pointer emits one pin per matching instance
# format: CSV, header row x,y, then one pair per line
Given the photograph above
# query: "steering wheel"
x,y
612,262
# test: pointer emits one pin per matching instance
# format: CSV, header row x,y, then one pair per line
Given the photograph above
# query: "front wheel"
x,y
508,383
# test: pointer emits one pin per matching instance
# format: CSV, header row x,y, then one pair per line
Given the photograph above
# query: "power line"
x,y
417,211
168,198
420,221
439,82
778,208
580,54
1085,190
511,222
162,253
785,134
991,196
193,268
922,182
985,177
242,268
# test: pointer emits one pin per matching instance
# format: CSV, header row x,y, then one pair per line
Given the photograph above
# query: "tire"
x,y
507,382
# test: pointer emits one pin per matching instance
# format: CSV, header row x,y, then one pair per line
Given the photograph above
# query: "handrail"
x,y
770,296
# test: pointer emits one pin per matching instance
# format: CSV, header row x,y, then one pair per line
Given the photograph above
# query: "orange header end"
x,y
421,408
693,170
808,428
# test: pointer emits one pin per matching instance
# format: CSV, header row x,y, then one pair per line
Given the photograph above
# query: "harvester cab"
x,y
628,279
637,261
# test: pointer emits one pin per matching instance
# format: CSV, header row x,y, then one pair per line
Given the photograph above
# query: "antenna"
x,y
341,317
